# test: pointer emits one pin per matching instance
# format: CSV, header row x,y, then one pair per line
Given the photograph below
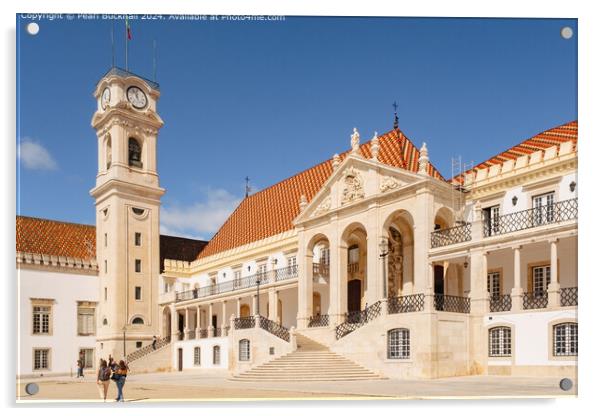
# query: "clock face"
x,y
137,97
106,97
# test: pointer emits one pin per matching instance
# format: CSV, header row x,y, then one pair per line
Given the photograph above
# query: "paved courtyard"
x,y
190,386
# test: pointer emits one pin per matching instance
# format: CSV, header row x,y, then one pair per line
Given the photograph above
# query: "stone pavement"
x,y
203,385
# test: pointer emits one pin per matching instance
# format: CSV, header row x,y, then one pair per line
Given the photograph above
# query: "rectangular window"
x,y
138,292
244,350
137,239
292,261
216,355
138,265
492,219
500,342
41,319
106,267
543,209
262,270
87,356
106,294
41,359
85,319
399,344
106,239
565,339
237,276
493,284
197,355
541,279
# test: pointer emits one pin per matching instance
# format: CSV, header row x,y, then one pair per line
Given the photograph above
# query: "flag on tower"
x,y
128,28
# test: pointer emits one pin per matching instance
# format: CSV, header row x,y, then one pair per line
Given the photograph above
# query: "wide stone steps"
x,y
311,361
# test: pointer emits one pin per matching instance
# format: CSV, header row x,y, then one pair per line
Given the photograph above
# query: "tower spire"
x,y
396,119
247,187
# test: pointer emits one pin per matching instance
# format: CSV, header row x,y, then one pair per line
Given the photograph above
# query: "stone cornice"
x,y
52,263
121,115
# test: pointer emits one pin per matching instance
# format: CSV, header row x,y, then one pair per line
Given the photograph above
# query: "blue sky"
x,y
269,99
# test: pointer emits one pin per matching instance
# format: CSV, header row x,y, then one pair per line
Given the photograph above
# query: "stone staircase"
x,y
311,361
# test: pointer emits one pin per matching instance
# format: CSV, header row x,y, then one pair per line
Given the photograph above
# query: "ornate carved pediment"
x,y
352,185
388,184
323,207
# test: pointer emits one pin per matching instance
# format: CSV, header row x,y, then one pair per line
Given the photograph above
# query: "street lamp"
x,y
384,252
257,282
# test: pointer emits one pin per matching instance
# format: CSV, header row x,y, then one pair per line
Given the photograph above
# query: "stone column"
x,y
429,290
273,305
373,274
554,286
479,297
304,283
224,318
198,322
186,324
338,284
210,322
423,226
174,322
517,290
238,307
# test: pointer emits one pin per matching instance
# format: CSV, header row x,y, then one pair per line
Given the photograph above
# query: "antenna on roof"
x,y
247,187
396,119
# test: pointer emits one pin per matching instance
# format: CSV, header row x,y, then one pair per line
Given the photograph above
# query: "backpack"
x,y
105,374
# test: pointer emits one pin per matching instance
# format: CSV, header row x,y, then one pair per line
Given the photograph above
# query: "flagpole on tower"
x,y
127,25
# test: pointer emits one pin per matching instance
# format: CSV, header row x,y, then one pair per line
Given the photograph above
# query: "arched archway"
x,y
354,246
134,153
398,229
444,218
245,310
318,254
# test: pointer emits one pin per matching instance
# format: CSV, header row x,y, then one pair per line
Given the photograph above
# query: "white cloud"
x,y
200,220
35,156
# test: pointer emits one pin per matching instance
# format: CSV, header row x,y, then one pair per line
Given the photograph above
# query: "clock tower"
x,y
128,200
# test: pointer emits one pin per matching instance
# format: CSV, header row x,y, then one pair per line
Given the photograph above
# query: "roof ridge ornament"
x,y
302,202
375,147
396,119
423,160
355,141
336,161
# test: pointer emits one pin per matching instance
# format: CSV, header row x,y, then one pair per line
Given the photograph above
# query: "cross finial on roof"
x,y
396,119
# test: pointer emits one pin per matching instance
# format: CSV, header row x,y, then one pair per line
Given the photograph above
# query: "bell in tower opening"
x,y
134,158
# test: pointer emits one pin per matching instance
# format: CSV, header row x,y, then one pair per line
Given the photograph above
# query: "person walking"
x,y
119,376
80,368
102,379
154,342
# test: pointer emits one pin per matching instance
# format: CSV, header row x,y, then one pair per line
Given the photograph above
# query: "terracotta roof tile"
x,y
56,238
552,137
272,210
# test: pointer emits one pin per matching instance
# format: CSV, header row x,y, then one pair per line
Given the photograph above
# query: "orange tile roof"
x,y
552,137
37,235
56,238
272,210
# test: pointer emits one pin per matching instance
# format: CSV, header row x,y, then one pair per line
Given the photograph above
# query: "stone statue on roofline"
x,y
355,141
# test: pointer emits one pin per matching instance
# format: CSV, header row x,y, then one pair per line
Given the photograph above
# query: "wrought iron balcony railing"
x,y
453,235
244,323
500,303
449,303
288,272
531,218
404,304
318,320
321,269
274,328
355,320
203,333
191,334
568,296
535,300
141,352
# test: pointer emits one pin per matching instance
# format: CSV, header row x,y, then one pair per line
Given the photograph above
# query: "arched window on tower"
x,y
134,153
108,151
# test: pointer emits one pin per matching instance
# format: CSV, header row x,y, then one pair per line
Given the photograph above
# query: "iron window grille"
x,y
216,355
197,355
398,344
500,342
244,350
41,320
41,359
565,339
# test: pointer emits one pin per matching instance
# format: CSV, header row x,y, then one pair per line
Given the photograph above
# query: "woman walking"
x,y
102,379
119,376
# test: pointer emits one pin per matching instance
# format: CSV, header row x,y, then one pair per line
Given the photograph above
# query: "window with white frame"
x,y
398,344
237,276
493,284
197,355
216,355
262,269
492,219
291,262
541,279
543,208
41,359
244,350
500,342
42,315
87,356
565,339
85,319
